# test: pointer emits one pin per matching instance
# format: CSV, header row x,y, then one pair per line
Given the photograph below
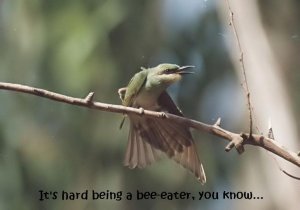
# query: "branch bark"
x,y
235,140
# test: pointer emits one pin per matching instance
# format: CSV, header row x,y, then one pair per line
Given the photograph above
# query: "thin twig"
x,y
235,140
247,91
241,59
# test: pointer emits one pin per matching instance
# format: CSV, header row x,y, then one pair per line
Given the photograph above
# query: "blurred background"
x,y
74,47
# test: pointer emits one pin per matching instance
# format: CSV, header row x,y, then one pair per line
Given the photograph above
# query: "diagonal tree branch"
x,y
235,140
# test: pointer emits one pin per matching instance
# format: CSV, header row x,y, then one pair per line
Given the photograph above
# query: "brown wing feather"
x,y
166,101
188,157
187,154
149,136
139,152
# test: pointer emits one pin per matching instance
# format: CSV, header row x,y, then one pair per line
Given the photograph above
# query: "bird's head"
x,y
167,74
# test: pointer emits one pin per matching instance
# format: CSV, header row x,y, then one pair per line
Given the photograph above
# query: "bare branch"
x,y
241,59
236,140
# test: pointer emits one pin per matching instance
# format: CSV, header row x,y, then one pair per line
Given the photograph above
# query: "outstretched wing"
x,y
188,157
140,152
148,137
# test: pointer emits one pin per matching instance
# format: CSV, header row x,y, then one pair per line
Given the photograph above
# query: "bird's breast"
x,y
147,99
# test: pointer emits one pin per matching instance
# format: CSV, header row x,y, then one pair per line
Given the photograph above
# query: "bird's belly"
x,y
146,100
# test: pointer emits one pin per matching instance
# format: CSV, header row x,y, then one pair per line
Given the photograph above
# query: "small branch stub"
x,y
237,142
218,122
89,98
141,111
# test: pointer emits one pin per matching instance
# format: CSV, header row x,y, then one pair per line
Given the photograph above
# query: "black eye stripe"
x,y
170,71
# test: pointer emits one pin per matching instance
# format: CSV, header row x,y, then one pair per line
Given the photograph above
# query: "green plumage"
x,y
149,137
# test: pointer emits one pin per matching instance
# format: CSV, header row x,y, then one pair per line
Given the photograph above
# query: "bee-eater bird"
x,y
149,137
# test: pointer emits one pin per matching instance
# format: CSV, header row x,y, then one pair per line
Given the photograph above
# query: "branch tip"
x,y
229,146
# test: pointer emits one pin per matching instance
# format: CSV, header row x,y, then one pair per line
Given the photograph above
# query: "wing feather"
x,y
139,152
134,87
149,137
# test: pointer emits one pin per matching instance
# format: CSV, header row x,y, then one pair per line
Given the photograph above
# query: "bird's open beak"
x,y
182,70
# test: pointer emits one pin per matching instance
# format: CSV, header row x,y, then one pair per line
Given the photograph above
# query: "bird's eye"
x,y
169,71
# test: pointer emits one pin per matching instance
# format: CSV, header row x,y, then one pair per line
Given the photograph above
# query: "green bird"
x,y
149,137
